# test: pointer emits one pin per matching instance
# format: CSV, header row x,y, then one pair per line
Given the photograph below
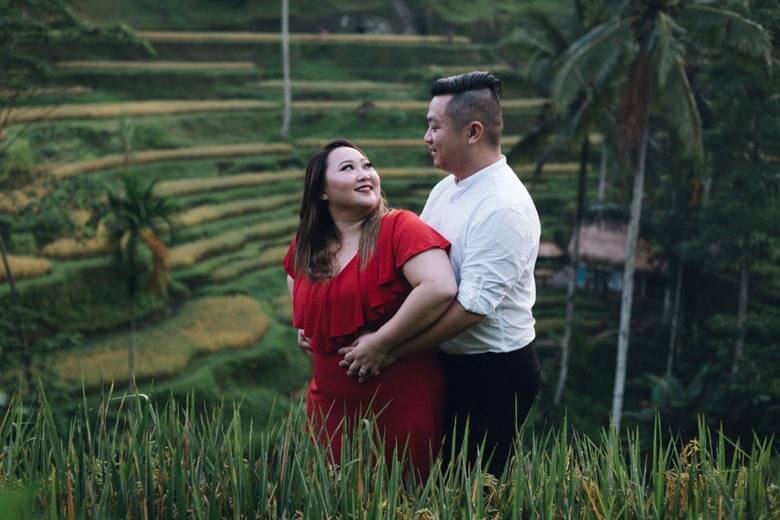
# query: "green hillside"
x,y
202,116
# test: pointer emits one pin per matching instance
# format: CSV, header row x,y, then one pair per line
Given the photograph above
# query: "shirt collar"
x,y
475,177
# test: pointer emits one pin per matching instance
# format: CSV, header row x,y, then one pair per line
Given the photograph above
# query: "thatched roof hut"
x,y
606,244
549,250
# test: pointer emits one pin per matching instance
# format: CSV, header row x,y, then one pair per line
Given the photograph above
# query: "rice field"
x,y
549,168
181,187
460,69
75,90
68,248
188,254
23,267
132,108
266,258
15,201
334,86
390,143
422,106
207,213
189,186
260,37
201,326
64,171
126,457
156,66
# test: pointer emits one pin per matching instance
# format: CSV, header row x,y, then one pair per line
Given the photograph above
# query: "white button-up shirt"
x,y
492,223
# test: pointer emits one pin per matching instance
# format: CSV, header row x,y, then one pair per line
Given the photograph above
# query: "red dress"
x,y
407,395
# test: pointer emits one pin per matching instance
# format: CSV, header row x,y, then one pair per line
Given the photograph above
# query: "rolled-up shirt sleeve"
x,y
497,251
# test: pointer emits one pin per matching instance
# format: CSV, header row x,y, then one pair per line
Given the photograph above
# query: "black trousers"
x,y
493,393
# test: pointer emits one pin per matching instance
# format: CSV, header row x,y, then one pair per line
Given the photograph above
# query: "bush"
x,y
16,164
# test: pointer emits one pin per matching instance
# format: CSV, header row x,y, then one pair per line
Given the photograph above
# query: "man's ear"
x,y
476,131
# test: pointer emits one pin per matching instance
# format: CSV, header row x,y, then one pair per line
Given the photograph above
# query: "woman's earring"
x,y
324,196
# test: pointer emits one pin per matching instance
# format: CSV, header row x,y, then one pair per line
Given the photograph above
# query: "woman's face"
x,y
351,183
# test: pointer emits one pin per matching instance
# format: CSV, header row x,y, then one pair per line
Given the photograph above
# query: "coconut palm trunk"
x,y
571,286
286,114
742,305
675,317
627,296
602,190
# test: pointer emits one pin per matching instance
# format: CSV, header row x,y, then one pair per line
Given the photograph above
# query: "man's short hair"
x,y
476,96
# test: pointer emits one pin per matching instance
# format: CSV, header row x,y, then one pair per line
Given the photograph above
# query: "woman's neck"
x,y
349,229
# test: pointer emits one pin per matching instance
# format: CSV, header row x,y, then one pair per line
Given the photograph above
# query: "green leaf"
x,y
720,29
590,59
681,110
668,49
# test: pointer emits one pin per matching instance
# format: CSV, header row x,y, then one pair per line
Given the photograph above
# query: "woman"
x,y
355,267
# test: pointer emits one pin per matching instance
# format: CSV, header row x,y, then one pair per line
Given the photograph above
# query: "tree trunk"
x,y
131,356
20,327
286,114
628,287
667,312
9,275
405,15
675,317
575,259
744,278
603,172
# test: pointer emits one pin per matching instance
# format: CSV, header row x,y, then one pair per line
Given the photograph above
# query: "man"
x,y
486,337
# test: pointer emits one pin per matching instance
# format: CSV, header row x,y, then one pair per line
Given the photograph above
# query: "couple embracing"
x,y
425,321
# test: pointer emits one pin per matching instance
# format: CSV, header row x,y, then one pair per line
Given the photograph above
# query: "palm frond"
x,y
553,32
522,39
668,50
589,59
682,111
720,29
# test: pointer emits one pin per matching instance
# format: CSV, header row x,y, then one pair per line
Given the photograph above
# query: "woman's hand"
x,y
365,358
304,343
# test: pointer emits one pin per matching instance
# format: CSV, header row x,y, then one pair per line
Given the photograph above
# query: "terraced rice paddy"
x,y
132,108
14,201
208,213
188,254
190,186
25,267
239,198
157,66
420,106
200,327
270,257
258,37
334,86
63,171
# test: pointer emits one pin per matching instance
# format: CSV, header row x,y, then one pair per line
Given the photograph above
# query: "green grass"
x,y
127,457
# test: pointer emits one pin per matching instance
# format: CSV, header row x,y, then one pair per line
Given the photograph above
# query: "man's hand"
x,y
365,358
304,343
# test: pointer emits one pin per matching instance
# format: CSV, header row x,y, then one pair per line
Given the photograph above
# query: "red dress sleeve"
x,y
360,297
412,236
289,260
404,237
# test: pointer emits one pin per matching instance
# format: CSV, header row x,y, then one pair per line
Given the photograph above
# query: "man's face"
x,y
445,141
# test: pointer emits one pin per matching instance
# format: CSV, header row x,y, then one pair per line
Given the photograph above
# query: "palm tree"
x,y
645,45
133,217
546,39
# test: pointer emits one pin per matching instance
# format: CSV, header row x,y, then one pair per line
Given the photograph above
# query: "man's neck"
x,y
476,162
